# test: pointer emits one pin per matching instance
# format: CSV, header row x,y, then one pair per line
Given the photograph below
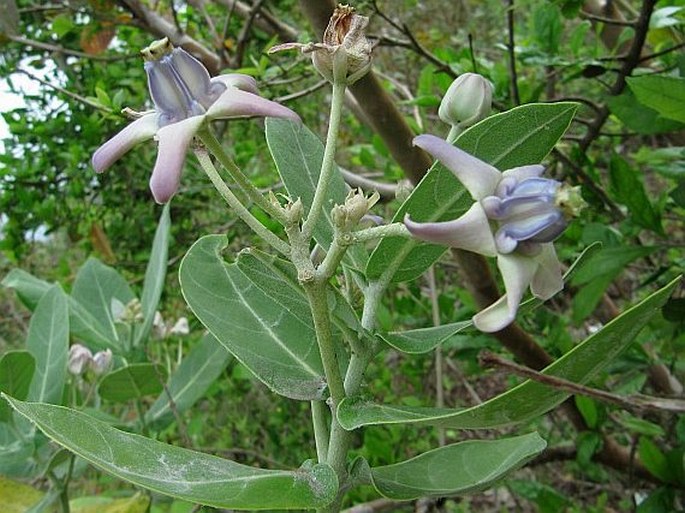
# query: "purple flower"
x,y
515,217
185,98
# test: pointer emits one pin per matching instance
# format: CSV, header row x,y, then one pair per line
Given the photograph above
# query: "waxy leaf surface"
x,y
178,472
529,399
273,338
456,469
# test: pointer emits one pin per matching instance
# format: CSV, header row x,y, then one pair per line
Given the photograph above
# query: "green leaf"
x,y
132,382
17,497
630,191
639,117
154,276
97,287
81,323
16,373
653,459
274,341
521,136
298,154
423,340
666,95
139,503
529,399
178,472
457,469
48,343
189,382
598,272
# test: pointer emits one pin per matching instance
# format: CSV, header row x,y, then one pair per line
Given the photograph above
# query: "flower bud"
x,y
467,101
101,362
79,359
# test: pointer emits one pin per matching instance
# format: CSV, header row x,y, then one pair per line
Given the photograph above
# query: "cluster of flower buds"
x,y
81,360
356,206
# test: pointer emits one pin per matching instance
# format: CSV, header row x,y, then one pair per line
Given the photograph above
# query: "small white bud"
x,y
101,362
467,101
79,359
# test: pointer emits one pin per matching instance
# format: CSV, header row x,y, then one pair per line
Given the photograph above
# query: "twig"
x,y
635,402
387,191
245,32
66,92
66,51
304,92
604,19
515,97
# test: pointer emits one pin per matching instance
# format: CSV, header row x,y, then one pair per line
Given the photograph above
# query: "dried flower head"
x,y
344,55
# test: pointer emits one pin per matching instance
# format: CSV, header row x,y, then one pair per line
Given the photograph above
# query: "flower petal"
x,y
479,178
238,80
138,131
547,280
235,103
517,272
523,172
173,144
470,232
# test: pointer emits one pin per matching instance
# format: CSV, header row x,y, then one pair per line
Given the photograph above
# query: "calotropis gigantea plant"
x,y
288,317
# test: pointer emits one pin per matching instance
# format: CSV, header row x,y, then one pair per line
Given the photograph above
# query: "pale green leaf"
x,y
154,276
423,340
178,472
278,346
17,497
16,373
96,287
189,382
457,469
134,381
48,343
521,136
528,400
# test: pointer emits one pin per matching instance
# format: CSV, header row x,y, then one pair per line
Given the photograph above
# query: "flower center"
x,y
530,212
180,85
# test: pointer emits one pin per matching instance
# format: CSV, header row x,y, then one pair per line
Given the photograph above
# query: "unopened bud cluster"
x,y
81,360
356,206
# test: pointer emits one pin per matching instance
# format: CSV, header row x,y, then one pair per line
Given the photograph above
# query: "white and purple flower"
x,y
185,98
515,217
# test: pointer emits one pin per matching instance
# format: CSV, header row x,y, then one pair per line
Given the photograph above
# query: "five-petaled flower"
x,y
185,98
515,217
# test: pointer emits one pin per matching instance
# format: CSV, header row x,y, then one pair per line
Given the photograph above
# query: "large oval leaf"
x,y
456,469
529,399
133,381
16,373
274,340
178,472
520,136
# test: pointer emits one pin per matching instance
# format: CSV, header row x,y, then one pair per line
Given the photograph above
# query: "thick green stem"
x,y
379,232
328,163
244,214
216,149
